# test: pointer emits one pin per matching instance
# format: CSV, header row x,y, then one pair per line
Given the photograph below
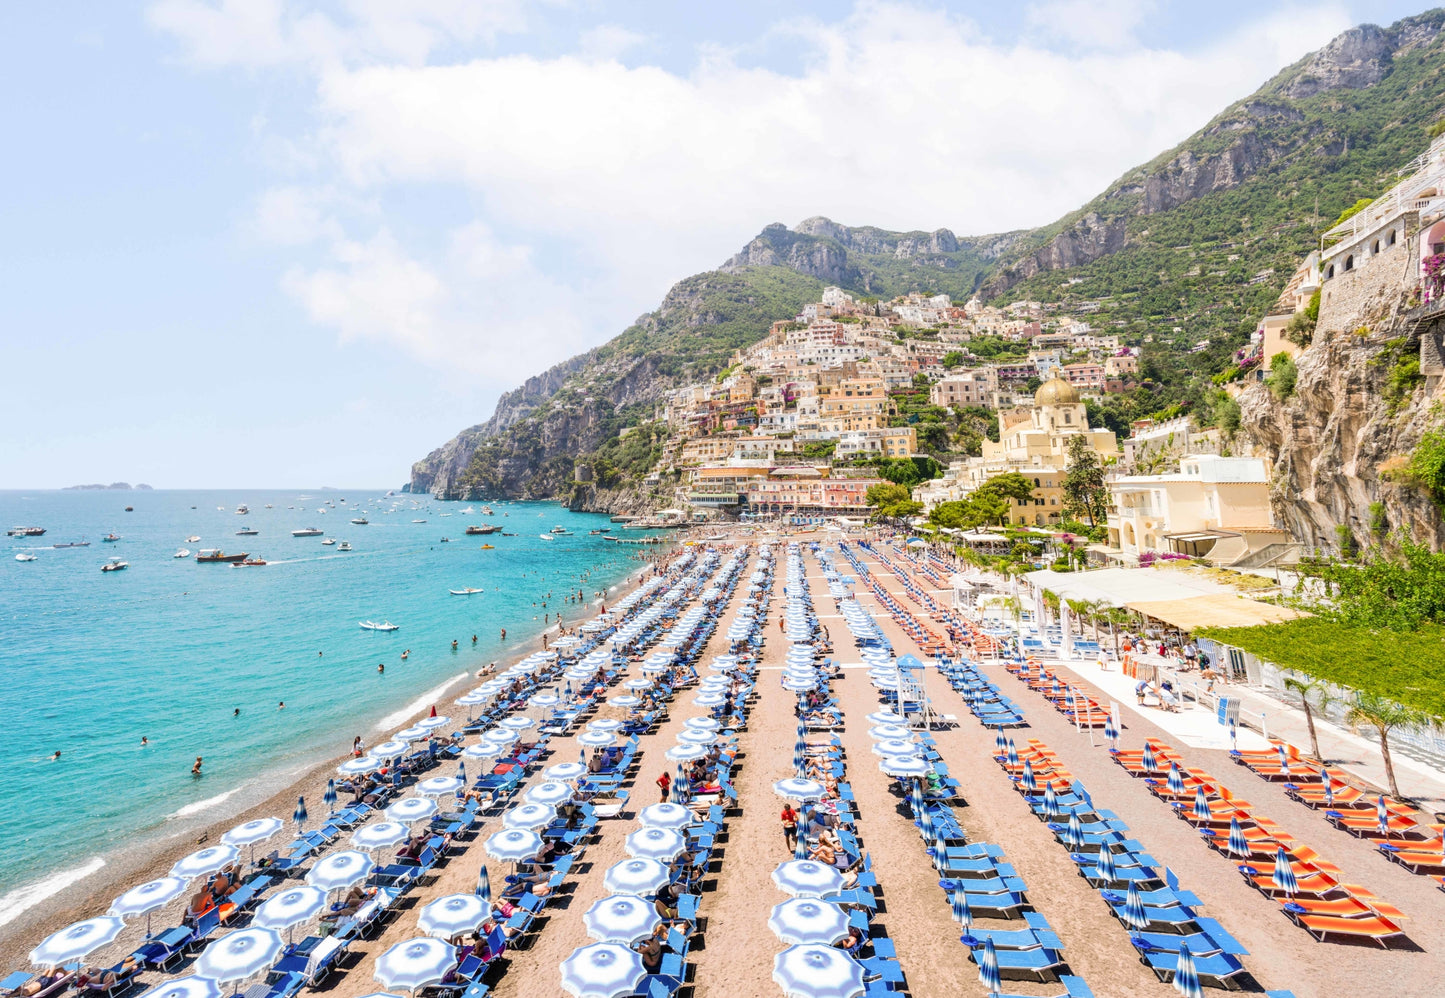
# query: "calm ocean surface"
x,y
169,648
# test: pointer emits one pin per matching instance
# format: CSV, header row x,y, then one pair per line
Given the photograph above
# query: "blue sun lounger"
x,y
1040,965
1178,919
1161,898
1215,969
1074,987
164,948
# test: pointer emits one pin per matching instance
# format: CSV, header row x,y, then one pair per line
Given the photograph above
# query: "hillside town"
x,y
803,423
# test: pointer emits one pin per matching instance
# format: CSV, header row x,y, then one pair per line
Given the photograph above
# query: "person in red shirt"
x,y
790,826
664,783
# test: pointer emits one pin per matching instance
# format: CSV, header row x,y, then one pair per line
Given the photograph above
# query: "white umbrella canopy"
x,y
904,766
76,941
414,733
340,870
205,861
413,964
532,817
484,750
147,897
621,918
410,810
596,739
881,731
439,786
895,746
702,723
516,723
380,835
514,845
453,915
625,700
696,736
563,771
433,723
797,788
604,724
663,844
390,749
290,908
190,986
360,767
808,920
667,815
602,970
552,792
635,876
806,878
240,954
686,753
254,831
810,970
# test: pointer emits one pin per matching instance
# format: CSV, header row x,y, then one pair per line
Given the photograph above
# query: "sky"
x,y
296,243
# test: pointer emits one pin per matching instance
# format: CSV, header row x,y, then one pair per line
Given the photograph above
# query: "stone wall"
x,y
1369,293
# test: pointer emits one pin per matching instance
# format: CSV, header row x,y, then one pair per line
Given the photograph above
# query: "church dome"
x,y
1056,391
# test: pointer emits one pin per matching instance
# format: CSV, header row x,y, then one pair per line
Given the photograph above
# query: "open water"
x,y
169,649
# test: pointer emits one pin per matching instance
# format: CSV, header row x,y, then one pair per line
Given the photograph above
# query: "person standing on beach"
x,y
790,826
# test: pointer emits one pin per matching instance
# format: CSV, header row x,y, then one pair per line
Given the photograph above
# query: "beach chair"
x,y
1376,929
1074,987
1217,970
1042,965
12,984
113,981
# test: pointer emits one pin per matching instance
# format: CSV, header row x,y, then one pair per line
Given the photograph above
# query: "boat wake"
x,y
203,805
22,899
420,704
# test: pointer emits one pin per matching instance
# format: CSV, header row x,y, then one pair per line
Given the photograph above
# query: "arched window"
x,y
1391,240
1036,483
1350,262
1330,272
1377,246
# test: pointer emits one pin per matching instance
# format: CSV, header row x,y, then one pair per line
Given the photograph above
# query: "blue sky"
x,y
300,244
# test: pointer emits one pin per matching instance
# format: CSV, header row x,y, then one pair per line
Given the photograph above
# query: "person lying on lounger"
x,y
650,949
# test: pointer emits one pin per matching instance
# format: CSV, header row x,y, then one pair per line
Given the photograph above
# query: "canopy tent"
x,y
1124,586
1214,610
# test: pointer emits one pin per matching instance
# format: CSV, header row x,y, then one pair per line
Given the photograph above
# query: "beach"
x,y
734,950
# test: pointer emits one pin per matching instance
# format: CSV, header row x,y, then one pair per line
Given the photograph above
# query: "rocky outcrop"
x,y
1358,58
1083,242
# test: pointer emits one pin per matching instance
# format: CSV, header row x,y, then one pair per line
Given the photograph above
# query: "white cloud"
x,y
608,41
1095,24
896,116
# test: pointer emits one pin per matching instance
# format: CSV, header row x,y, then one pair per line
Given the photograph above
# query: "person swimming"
x,y
196,769
55,757
454,644
144,741
236,712
380,667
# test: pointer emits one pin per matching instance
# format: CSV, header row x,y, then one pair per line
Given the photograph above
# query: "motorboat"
x,y
418,521
360,521
344,546
487,511
114,565
561,531
249,562
182,553
308,532
386,625
25,532
604,530
247,532
111,538
328,542
484,529
546,537
269,506
242,509
446,540
25,556
216,555
464,592
194,538
130,509
72,544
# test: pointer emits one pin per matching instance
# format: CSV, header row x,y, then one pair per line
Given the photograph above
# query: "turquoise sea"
x,y
169,649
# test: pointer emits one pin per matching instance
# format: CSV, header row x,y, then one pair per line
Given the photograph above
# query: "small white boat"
x,y
328,542
464,592
114,565
561,531
344,546
385,625
27,556
418,521
546,537
360,521
308,532
242,509
194,538
182,553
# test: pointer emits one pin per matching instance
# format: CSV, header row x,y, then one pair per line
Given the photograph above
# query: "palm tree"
x,y
1315,694
1080,609
1383,715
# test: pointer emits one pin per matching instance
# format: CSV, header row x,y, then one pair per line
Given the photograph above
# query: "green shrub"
x,y
1282,376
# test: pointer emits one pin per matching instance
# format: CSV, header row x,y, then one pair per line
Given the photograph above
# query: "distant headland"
x,y
113,486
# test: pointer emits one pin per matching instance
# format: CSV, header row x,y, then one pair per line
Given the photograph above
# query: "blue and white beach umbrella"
x,y
808,920
710,700
1233,735
412,734
604,724
551,792
205,861
988,972
602,970
484,750
1134,915
76,941
1382,816
1111,732
1000,743
410,810
1150,764
596,739
635,876
1104,866
1030,785
1201,804
147,897
502,736
895,746
299,815
811,970
1328,782
453,915
807,878
1238,844
962,914
881,731
1284,877
666,815
254,831
390,749
685,753
925,825
440,786
915,797
884,717
413,964
1176,780
1186,977
1051,801
625,700
484,884
621,918
904,766
794,788
380,835
696,736
1012,754
663,844
340,870
329,797
240,954
533,817
563,771
514,845
290,908
702,723
190,986
800,847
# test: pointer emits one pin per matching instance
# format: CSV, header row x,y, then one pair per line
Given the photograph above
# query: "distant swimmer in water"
x,y
55,757
196,769
454,644
236,712
504,634
474,639
406,654
380,667
320,653
281,705
144,741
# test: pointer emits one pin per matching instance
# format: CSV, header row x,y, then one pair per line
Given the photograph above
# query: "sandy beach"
x,y
734,951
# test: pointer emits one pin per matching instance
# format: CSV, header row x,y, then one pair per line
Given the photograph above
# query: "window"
x,y
1391,240
1330,272
1350,262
